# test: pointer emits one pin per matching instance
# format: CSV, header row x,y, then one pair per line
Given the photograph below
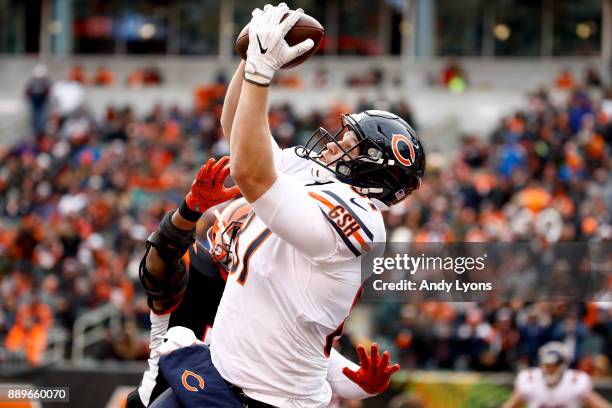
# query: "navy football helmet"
x,y
387,163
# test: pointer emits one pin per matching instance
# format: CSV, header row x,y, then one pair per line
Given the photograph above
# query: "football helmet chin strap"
x,y
324,175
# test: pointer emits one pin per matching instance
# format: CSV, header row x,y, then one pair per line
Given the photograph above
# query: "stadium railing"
x,y
91,328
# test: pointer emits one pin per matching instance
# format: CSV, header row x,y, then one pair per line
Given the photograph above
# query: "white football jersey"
x,y
568,393
295,280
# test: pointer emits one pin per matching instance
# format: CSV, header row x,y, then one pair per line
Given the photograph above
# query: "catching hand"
x,y
268,51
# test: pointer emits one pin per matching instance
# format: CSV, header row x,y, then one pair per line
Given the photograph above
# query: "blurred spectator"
x,y
454,76
77,74
373,77
565,79
286,80
592,77
37,92
150,76
104,77
153,76
136,78
68,97
606,113
30,337
321,78
39,312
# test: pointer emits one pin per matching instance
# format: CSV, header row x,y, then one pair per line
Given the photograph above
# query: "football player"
x,y
182,282
184,292
316,209
553,385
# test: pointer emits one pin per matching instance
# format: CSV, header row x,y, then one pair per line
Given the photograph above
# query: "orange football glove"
x,y
207,189
374,375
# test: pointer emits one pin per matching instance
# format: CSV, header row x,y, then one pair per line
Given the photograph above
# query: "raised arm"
x,y
162,271
231,101
252,159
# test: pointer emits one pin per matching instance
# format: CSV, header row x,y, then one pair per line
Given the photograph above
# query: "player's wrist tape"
x,y
257,72
171,242
257,79
189,214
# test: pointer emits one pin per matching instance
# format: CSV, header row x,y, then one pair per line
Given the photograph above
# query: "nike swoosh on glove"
x,y
374,375
268,51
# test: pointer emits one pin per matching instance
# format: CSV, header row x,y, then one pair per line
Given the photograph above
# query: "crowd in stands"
x,y
80,196
544,175
103,76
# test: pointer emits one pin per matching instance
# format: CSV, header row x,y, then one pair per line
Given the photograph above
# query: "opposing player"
x,y
553,385
183,282
316,210
184,293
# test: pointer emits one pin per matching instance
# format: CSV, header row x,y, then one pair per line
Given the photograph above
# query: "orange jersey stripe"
x,y
321,199
361,241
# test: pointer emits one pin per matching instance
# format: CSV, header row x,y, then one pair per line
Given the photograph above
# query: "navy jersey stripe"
x,y
247,254
350,210
348,243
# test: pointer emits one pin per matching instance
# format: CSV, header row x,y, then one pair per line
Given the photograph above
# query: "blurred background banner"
x,y
108,108
414,28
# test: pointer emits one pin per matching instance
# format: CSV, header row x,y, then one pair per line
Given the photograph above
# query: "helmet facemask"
x,y
341,166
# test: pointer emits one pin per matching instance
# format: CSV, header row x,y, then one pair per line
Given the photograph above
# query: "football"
x,y
306,27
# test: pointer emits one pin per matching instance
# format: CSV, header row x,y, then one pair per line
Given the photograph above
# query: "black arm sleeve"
x,y
171,243
163,295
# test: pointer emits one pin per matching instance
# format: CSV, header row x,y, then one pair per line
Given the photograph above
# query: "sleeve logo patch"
x,y
344,220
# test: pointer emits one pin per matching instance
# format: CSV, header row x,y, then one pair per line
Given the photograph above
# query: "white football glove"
x,y
268,51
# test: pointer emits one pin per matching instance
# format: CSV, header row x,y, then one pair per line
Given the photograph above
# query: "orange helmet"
x,y
224,231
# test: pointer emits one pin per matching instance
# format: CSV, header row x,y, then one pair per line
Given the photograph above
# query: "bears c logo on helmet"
x,y
199,379
395,141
